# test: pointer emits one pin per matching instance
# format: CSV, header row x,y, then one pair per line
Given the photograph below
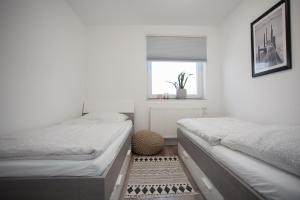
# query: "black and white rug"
x,y
157,176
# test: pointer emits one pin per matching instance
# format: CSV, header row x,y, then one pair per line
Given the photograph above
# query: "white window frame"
x,y
200,77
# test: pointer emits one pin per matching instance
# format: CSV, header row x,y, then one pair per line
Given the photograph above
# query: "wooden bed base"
x,y
226,182
66,188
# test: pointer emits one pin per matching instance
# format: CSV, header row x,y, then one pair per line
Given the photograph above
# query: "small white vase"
x,y
180,93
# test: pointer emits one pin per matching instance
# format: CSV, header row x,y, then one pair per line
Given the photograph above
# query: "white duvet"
x,y
67,141
276,145
213,130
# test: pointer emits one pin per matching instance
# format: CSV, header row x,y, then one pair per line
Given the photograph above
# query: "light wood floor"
x,y
169,151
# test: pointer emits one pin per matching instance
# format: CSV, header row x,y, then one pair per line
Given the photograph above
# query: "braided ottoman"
x,y
147,143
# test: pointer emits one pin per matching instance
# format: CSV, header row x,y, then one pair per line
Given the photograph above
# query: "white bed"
x,y
90,167
269,181
81,159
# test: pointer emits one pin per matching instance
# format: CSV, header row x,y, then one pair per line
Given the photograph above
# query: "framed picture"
x,y
271,40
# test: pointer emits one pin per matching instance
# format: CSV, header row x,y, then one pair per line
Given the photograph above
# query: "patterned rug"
x,y
160,176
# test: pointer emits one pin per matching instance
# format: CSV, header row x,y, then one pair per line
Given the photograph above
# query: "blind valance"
x,y
177,48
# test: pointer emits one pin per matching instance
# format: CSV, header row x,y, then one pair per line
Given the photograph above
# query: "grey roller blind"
x,y
176,48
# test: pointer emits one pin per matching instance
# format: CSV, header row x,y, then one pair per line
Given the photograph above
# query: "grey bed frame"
x,y
226,182
67,188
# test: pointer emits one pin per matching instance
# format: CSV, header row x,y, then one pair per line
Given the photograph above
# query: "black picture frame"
x,y
271,40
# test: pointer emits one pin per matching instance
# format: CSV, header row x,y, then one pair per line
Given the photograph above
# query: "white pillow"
x,y
106,116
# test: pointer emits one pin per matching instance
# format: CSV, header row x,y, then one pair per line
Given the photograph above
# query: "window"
x,y
167,57
162,72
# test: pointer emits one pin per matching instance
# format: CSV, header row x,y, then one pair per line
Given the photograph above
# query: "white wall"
x,y
42,45
270,98
117,68
42,67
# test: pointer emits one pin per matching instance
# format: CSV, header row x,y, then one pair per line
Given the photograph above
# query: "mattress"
x,y
269,181
94,167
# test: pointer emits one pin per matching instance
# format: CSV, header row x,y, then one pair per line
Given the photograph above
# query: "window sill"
x,y
174,99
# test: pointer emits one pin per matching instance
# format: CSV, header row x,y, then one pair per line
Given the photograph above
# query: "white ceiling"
x,y
153,12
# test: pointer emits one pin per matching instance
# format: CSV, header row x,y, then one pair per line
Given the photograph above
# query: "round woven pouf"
x,y
147,143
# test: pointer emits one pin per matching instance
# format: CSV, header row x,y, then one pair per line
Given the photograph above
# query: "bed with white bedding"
x,y
71,165
76,159
243,159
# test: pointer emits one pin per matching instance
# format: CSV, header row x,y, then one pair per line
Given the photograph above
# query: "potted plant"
x,y
180,84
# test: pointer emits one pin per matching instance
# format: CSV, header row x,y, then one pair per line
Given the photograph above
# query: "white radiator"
x,y
163,120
